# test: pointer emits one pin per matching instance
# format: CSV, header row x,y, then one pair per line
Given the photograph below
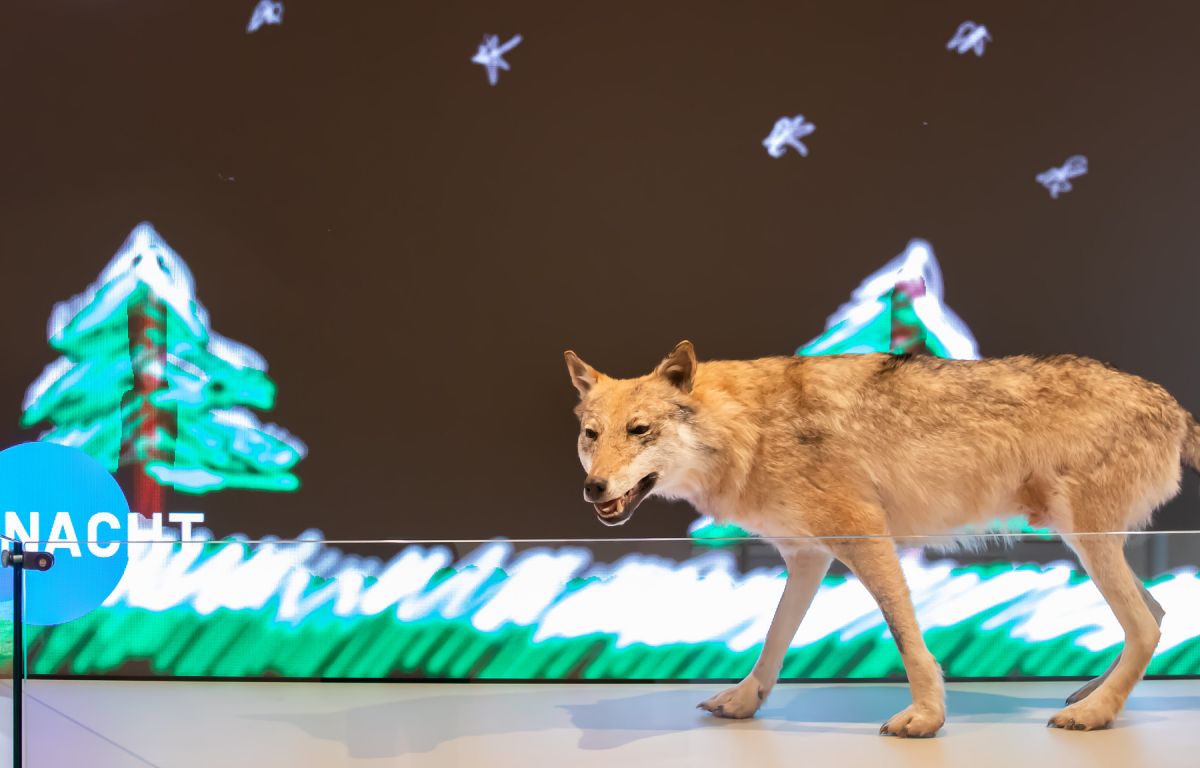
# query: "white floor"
x,y
185,724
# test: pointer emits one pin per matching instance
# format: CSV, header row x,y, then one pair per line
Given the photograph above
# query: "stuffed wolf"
x,y
842,453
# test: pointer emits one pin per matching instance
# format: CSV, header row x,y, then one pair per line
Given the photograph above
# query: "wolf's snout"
x,y
594,488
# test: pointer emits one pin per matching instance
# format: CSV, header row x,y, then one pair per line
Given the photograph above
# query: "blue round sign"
x,y
60,500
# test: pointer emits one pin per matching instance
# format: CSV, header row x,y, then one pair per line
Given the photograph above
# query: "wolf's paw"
x,y
738,702
1085,691
914,723
1090,714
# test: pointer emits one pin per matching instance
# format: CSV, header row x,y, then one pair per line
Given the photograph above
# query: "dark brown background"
x,y
412,250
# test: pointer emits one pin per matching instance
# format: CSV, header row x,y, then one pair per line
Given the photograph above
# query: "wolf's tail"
x,y
1191,444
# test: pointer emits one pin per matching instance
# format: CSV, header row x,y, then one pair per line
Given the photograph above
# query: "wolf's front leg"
x,y
804,572
876,565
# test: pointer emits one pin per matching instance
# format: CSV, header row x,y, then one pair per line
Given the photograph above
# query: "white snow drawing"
x,y
491,55
1056,180
787,133
969,37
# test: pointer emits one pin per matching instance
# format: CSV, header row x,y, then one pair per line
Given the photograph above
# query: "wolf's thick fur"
x,y
892,446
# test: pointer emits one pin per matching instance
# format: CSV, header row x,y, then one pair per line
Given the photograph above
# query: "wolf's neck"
x,y
728,432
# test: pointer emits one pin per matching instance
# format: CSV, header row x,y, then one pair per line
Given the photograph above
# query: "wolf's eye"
x,y
639,429
590,434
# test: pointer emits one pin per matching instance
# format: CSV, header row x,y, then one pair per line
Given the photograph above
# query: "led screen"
x,y
299,270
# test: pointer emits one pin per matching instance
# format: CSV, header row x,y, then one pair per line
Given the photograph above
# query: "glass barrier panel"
x,y
182,643
1011,606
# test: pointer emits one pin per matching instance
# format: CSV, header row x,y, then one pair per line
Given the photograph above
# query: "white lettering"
x,y
62,535
138,525
185,520
98,519
15,529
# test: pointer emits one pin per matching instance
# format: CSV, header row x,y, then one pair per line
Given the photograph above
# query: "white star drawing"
x,y
491,55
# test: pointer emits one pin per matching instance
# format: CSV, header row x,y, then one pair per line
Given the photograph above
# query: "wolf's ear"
x,y
679,367
583,376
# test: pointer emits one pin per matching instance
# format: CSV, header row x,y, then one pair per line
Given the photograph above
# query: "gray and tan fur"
x,y
893,446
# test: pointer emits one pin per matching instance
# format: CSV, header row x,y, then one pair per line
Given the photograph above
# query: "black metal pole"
x,y
16,560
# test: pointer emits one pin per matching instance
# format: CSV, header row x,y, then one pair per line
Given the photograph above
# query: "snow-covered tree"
x,y
144,384
898,309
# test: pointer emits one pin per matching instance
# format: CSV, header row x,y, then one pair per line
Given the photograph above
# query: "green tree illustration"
x,y
146,387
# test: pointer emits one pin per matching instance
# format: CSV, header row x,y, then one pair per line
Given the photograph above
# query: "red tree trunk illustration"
x,y
907,336
144,441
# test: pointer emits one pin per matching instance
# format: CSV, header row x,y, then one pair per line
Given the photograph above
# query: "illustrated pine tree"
x,y
898,309
147,388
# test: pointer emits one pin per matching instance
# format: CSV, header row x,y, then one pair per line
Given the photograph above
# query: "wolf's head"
x,y
637,436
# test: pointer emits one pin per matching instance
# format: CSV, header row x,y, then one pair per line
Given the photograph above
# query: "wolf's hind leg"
x,y
1156,611
804,572
1103,558
875,563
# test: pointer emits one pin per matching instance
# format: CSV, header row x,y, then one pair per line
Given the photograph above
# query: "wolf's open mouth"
x,y
620,509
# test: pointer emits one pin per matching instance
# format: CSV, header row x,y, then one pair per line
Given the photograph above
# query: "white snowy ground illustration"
x,y
640,599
